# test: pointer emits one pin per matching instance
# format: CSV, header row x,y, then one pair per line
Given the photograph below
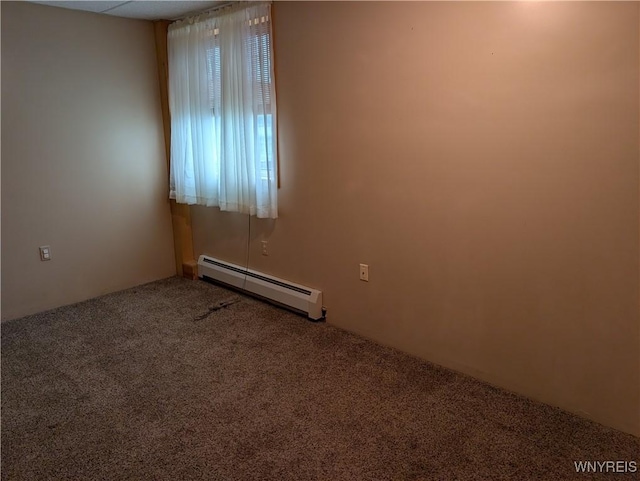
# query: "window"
x,y
223,111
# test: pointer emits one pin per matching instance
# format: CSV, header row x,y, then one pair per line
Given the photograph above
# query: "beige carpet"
x,y
180,380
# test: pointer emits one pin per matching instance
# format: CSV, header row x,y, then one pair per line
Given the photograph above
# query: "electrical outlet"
x,y
45,253
265,250
364,272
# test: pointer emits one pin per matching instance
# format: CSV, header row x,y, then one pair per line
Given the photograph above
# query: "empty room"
x,y
337,240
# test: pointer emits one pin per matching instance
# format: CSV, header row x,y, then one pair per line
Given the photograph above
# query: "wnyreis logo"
x,y
606,466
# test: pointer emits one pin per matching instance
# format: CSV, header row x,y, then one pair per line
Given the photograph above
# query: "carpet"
x,y
182,380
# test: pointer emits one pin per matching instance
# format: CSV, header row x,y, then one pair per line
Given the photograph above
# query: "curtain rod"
x,y
197,13
239,4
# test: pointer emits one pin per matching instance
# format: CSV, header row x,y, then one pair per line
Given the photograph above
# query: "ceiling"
x,y
142,9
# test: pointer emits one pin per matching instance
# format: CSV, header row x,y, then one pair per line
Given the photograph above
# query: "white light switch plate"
x,y
364,272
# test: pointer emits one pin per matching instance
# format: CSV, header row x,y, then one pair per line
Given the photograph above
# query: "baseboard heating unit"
x,y
294,296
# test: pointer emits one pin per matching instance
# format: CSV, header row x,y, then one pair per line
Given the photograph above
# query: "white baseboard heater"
x,y
294,296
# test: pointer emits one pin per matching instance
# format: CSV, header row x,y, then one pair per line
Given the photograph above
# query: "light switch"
x,y
364,272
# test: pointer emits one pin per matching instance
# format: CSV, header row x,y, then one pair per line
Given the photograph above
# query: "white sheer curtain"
x,y
223,111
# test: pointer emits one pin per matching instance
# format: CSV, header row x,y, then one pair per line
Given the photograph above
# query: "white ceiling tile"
x,y
167,10
86,6
142,9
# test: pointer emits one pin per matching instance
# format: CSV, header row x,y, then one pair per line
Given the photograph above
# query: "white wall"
x,y
83,162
